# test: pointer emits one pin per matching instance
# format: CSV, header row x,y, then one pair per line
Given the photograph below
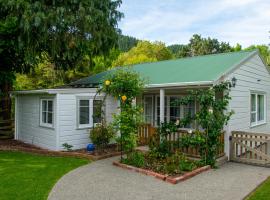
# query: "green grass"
x,y
29,176
262,192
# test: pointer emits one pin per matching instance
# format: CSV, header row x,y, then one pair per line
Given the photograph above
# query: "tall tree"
x,y
145,51
199,46
264,51
125,42
66,30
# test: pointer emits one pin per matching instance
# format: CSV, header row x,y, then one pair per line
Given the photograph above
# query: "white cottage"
x,y
50,117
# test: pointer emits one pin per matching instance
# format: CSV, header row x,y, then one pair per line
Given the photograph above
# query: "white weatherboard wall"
x,y
68,130
28,122
252,75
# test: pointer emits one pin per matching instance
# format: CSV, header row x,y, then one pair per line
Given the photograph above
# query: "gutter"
x,y
181,84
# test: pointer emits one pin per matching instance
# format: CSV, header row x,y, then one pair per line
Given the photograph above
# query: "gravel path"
x,y
102,181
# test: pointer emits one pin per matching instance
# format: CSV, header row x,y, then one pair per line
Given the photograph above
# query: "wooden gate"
x,y
250,148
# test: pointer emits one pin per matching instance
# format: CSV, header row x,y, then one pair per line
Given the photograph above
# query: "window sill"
x,y
84,127
48,126
258,124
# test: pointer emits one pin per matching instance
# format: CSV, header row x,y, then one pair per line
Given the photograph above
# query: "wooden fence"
x,y
250,148
6,129
146,132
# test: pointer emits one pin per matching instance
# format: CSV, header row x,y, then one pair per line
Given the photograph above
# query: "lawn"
x,y
262,192
28,176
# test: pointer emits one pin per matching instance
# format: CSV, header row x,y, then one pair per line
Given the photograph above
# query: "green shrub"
x,y
135,159
101,135
67,146
186,165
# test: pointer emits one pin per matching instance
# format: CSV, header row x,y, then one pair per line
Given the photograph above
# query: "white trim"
x,y
57,122
89,99
196,83
152,97
162,105
16,136
56,91
41,123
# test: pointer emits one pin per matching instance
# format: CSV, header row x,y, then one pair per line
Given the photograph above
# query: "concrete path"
x,y
102,181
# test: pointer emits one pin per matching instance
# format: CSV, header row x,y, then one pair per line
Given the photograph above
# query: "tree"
x,y
199,46
145,51
66,30
179,50
237,47
204,46
264,51
125,42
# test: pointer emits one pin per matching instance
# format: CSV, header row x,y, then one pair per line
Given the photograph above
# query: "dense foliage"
x,y
173,164
143,52
125,42
210,118
101,135
65,30
200,46
125,85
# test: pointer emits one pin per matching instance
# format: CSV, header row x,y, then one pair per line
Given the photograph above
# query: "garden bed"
x,y
170,179
171,168
14,145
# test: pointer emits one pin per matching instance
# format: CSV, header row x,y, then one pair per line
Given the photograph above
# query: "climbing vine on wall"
x,y
125,85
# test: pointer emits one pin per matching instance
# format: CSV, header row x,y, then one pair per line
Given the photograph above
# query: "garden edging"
x,y
167,178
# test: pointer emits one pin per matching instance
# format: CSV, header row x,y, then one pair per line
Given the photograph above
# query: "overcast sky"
x,y
175,21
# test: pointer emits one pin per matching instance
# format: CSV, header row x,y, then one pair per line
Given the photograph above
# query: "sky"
x,y
245,22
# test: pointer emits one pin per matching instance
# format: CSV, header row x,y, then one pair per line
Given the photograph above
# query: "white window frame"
x,y
257,123
41,123
90,124
151,96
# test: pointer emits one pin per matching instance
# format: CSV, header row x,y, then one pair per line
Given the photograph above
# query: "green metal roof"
x,y
185,70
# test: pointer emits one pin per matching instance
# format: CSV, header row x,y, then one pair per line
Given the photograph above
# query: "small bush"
x,y
67,146
101,135
135,159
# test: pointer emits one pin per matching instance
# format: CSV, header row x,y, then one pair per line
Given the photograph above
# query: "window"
x,y
173,110
89,112
148,109
97,111
46,118
257,109
84,112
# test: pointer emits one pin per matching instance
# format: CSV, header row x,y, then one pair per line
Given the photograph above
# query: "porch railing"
x,y
147,131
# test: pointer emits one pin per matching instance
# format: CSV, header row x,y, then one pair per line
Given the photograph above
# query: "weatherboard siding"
x,y
28,122
247,76
68,130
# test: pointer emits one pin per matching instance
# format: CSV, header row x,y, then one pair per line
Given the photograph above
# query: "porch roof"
x,y
185,71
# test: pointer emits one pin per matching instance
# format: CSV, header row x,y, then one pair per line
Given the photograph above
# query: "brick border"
x,y
62,153
166,178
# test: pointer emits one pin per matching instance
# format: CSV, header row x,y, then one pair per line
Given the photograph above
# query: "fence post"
x,y
231,148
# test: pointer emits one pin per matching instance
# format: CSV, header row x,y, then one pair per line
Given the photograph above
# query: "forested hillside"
x,y
128,51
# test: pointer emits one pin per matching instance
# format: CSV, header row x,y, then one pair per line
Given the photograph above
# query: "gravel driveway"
x,y
102,181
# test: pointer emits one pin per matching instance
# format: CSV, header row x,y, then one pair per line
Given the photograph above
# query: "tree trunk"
x,y
5,100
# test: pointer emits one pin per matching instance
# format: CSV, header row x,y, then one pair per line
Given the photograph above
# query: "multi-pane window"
x,y
174,110
46,118
257,109
89,112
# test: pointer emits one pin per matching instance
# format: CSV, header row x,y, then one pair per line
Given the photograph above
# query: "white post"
x,y
162,105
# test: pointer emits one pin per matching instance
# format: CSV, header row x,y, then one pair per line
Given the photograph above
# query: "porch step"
x,y
222,160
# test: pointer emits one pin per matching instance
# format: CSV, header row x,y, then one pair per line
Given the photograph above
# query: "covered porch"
x,y
160,106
